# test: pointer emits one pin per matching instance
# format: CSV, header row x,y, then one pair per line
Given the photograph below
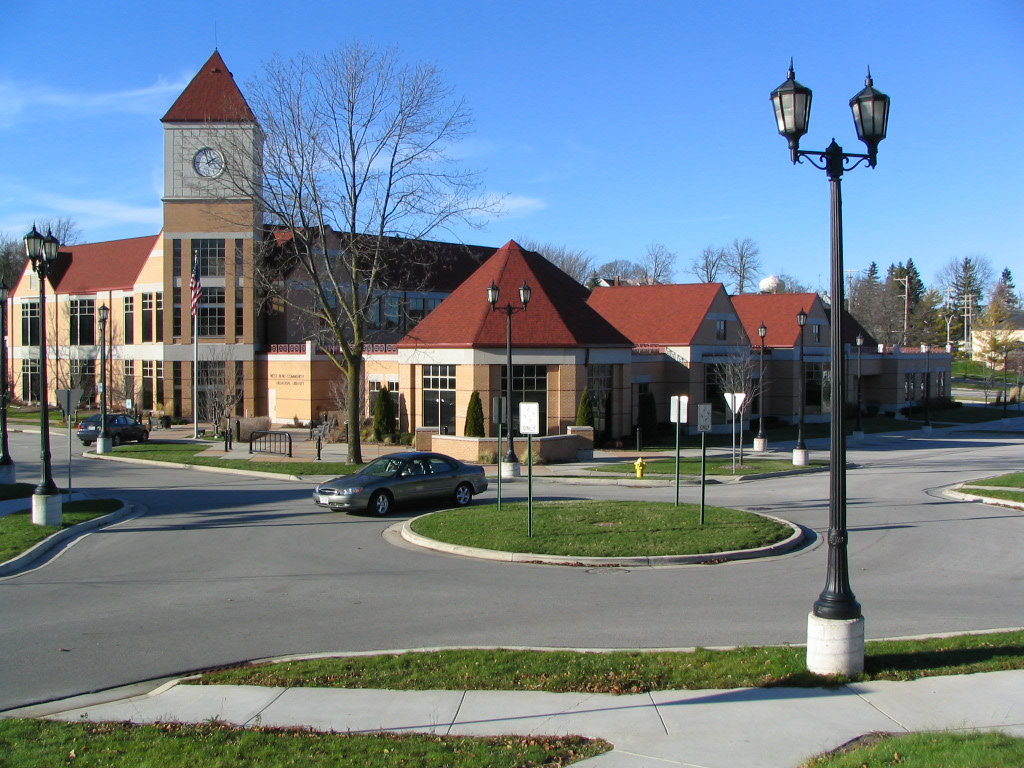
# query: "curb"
x,y
29,556
199,467
792,541
954,492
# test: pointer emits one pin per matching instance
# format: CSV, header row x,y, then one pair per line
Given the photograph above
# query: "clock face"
x,y
208,162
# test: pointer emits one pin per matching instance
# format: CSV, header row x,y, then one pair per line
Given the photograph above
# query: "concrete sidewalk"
x,y
760,727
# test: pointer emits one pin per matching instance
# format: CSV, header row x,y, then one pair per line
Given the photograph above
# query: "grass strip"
x,y
186,453
32,743
1011,480
18,533
995,494
602,528
624,672
714,466
927,750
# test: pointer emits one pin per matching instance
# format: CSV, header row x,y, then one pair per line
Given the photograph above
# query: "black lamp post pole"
x,y
860,391
6,462
801,319
104,313
524,299
927,383
762,331
870,108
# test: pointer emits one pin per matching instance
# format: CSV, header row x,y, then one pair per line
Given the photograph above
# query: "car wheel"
x,y
115,441
144,437
380,503
87,443
463,494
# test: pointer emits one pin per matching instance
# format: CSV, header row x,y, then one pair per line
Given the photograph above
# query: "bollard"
x,y
640,464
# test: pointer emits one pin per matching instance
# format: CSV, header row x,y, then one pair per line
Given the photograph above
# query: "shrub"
x,y
474,416
585,411
488,457
383,414
647,416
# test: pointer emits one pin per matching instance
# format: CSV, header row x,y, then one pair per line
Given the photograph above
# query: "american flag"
x,y
196,286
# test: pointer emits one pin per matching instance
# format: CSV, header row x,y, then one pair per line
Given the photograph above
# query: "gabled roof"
x,y
557,315
777,311
211,97
111,266
665,315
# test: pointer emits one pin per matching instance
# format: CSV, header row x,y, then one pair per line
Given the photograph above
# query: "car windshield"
x,y
382,467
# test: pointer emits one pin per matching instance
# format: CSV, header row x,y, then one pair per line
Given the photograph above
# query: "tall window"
x,y
30,324
128,382
599,383
83,321
158,319
210,316
147,385
238,257
816,332
819,387
30,380
176,258
529,385
129,319
439,397
83,377
909,386
721,332
210,254
176,312
148,305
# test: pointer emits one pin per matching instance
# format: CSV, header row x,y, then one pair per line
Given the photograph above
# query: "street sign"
x,y
677,408
735,400
704,417
529,418
497,410
68,399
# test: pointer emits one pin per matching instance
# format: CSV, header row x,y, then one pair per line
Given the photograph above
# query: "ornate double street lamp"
x,y
510,464
858,429
46,501
835,629
800,450
761,441
8,472
103,441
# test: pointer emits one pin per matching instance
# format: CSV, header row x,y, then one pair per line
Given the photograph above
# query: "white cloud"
x,y
517,206
98,218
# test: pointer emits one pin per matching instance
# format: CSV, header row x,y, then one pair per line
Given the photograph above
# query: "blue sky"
x,y
609,125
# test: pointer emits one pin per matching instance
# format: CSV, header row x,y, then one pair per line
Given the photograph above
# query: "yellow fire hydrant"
x,y
640,464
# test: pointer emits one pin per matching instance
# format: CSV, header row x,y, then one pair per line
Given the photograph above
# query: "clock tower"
x,y
212,162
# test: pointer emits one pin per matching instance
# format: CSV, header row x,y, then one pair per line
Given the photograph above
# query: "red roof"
x,y
110,266
777,311
211,97
666,315
557,315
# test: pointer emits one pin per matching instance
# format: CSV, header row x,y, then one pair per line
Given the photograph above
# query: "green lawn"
x,y
1011,480
689,465
602,528
996,494
624,672
18,533
185,453
35,743
928,750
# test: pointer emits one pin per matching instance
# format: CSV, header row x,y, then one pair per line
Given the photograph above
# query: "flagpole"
x,y
195,289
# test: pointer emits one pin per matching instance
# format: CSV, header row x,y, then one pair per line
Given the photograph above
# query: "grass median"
x,y
187,453
32,743
626,672
926,750
602,528
18,533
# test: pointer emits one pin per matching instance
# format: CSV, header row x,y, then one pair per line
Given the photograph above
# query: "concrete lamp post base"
x,y
8,474
799,457
103,445
47,509
760,444
509,470
835,646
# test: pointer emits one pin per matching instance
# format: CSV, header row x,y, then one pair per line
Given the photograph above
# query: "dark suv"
x,y
120,428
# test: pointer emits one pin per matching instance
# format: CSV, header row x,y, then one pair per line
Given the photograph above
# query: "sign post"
x,y
703,426
529,425
498,417
68,400
735,402
677,414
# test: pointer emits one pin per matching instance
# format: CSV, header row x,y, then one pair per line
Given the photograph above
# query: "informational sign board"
x,y
497,410
677,408
529,418
704,417
68,399
735,400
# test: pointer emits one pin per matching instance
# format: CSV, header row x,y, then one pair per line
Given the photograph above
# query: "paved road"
x,y
221,568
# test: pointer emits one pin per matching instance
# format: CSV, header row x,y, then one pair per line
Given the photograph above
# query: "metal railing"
x,y
271,442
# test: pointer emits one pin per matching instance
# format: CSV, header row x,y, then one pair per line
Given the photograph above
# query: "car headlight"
x,y
340,491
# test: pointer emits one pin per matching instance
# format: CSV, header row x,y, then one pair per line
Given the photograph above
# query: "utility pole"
x,y
906,308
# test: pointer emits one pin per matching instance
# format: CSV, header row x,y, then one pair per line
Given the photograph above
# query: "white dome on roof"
x,y
771,284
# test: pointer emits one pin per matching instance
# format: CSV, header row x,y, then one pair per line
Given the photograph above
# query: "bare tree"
x,y
622,270
65,229
791,285
657,264
743,263
573,261
736,375
707,267
356,152
12,259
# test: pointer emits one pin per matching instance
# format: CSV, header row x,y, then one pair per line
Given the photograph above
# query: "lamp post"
x,y
8,472
800,450
510,465
103,441
835,630
927,385
858,430
46,501
761,441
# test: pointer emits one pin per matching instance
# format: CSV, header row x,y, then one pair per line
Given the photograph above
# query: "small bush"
x,y
585,411
488,457
474,416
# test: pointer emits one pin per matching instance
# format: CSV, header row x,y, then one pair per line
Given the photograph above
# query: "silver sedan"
x,y
400,478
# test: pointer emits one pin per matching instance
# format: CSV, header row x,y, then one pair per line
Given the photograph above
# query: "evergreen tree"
x,y
383,415
585,411
964,281
1006,292
474,416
